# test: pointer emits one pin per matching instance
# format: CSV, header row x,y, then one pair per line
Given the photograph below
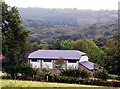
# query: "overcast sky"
x,y
80,4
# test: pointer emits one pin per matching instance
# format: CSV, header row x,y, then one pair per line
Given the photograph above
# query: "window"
x,y
47,60
34,60
72,61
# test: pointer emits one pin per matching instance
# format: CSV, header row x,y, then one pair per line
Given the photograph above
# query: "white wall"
x,y
72,65
35,64
83,58
50,64
47,64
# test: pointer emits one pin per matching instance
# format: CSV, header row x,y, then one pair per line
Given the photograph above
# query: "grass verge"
x,y
19,84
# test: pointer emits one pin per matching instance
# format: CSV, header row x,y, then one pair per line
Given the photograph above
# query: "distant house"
x,y
73,59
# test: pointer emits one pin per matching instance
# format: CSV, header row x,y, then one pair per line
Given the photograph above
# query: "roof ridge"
x,y
58,50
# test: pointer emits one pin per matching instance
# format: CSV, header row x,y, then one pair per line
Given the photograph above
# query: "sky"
x,y
79,4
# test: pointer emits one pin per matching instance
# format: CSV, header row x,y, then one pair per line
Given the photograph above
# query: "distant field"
x,y
19,84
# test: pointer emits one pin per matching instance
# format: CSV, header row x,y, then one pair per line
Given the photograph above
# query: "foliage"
x,y
60,63
55,44
71,73
14,69
34,46
107,55
13,34
84,74
101,74
66,45
112,47
85,45
48,76
105,52
100,42
75,73
67,79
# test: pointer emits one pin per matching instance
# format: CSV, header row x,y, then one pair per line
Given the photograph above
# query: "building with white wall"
x,y
47,59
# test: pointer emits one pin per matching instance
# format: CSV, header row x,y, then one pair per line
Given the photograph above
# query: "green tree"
x,y
112,63
79,45
88,46
91,49
34,46
94,52
66,45
55,44
85,45
13,34
101,41
24,69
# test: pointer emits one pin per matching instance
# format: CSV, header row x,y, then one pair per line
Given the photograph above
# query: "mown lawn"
x,y
19,84
113,75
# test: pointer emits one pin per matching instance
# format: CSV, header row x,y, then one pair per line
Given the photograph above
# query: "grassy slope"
x,y
20,83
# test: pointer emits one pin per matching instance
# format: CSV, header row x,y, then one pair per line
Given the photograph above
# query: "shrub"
x,y
101,74
20,68
11,69
26,70
84,74
75,73
48,76
70,73
38,76
64,79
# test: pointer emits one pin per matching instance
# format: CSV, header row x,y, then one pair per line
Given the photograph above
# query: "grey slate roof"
x,y
89,65
56,54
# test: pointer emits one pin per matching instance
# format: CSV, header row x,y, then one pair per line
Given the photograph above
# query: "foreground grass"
x,y
19,84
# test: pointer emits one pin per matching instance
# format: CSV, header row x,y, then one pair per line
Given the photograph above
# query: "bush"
x,y
64,79
103,75
48,76
70,72
20,68
38,76
26,70
75,73
84,74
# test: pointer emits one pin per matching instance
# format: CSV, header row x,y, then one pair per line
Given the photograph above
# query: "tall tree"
x,y
112,48
88,46
55,44
66,45
13,34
